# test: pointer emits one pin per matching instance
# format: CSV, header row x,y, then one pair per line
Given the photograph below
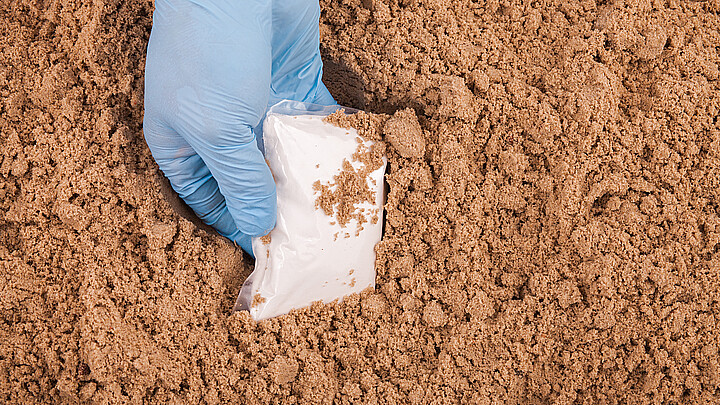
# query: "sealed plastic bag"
x,y
322,248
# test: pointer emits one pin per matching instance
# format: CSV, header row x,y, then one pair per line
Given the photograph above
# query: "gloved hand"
x,y
213,67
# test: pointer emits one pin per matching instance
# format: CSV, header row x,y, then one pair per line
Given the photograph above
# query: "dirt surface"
x,y
556,239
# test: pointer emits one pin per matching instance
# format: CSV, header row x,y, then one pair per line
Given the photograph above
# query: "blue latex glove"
x,y
213,67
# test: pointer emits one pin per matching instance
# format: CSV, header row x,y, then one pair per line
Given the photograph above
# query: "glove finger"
x,y
211,70
193,181
217,123
323,96
296,62
244,179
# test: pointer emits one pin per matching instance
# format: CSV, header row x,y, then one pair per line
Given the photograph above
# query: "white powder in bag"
x,y
309,256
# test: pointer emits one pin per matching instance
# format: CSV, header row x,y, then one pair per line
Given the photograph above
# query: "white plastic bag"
x,y
309,256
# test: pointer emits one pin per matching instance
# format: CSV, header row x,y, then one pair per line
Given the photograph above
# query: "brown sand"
x,y
339,198
557,239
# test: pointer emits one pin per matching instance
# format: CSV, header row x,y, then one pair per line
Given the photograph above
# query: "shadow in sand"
x,y
344,84
180,207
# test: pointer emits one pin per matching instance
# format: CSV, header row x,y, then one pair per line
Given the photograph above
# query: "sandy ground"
x,y
555,240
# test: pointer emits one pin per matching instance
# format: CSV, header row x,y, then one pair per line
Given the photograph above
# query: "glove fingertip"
x,y
260,218
323,96
245,242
